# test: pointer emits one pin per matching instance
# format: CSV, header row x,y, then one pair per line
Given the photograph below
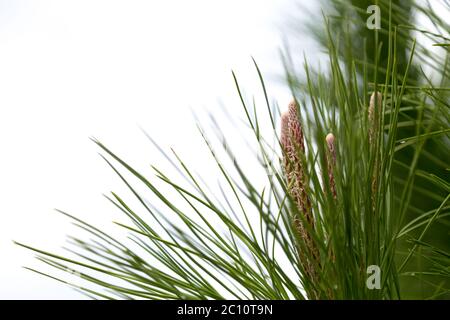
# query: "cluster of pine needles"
x,y
332,204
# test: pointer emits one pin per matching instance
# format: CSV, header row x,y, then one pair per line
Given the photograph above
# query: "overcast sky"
x,y
70,70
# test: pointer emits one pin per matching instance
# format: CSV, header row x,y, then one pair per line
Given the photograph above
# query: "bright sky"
x,y
70,70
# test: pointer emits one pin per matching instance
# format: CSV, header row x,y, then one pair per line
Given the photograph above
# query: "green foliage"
x,y
192,242
426,100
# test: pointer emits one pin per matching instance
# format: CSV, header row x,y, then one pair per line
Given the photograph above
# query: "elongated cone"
x,y
373,116
374,113
331,162
293,149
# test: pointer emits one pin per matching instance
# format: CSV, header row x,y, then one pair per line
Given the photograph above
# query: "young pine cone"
x,y
331,162
374,113
293,151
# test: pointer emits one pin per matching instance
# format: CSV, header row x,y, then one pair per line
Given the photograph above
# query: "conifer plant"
x,y
327,213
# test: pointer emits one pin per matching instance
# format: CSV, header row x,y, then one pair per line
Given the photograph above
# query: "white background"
x,y
70,70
